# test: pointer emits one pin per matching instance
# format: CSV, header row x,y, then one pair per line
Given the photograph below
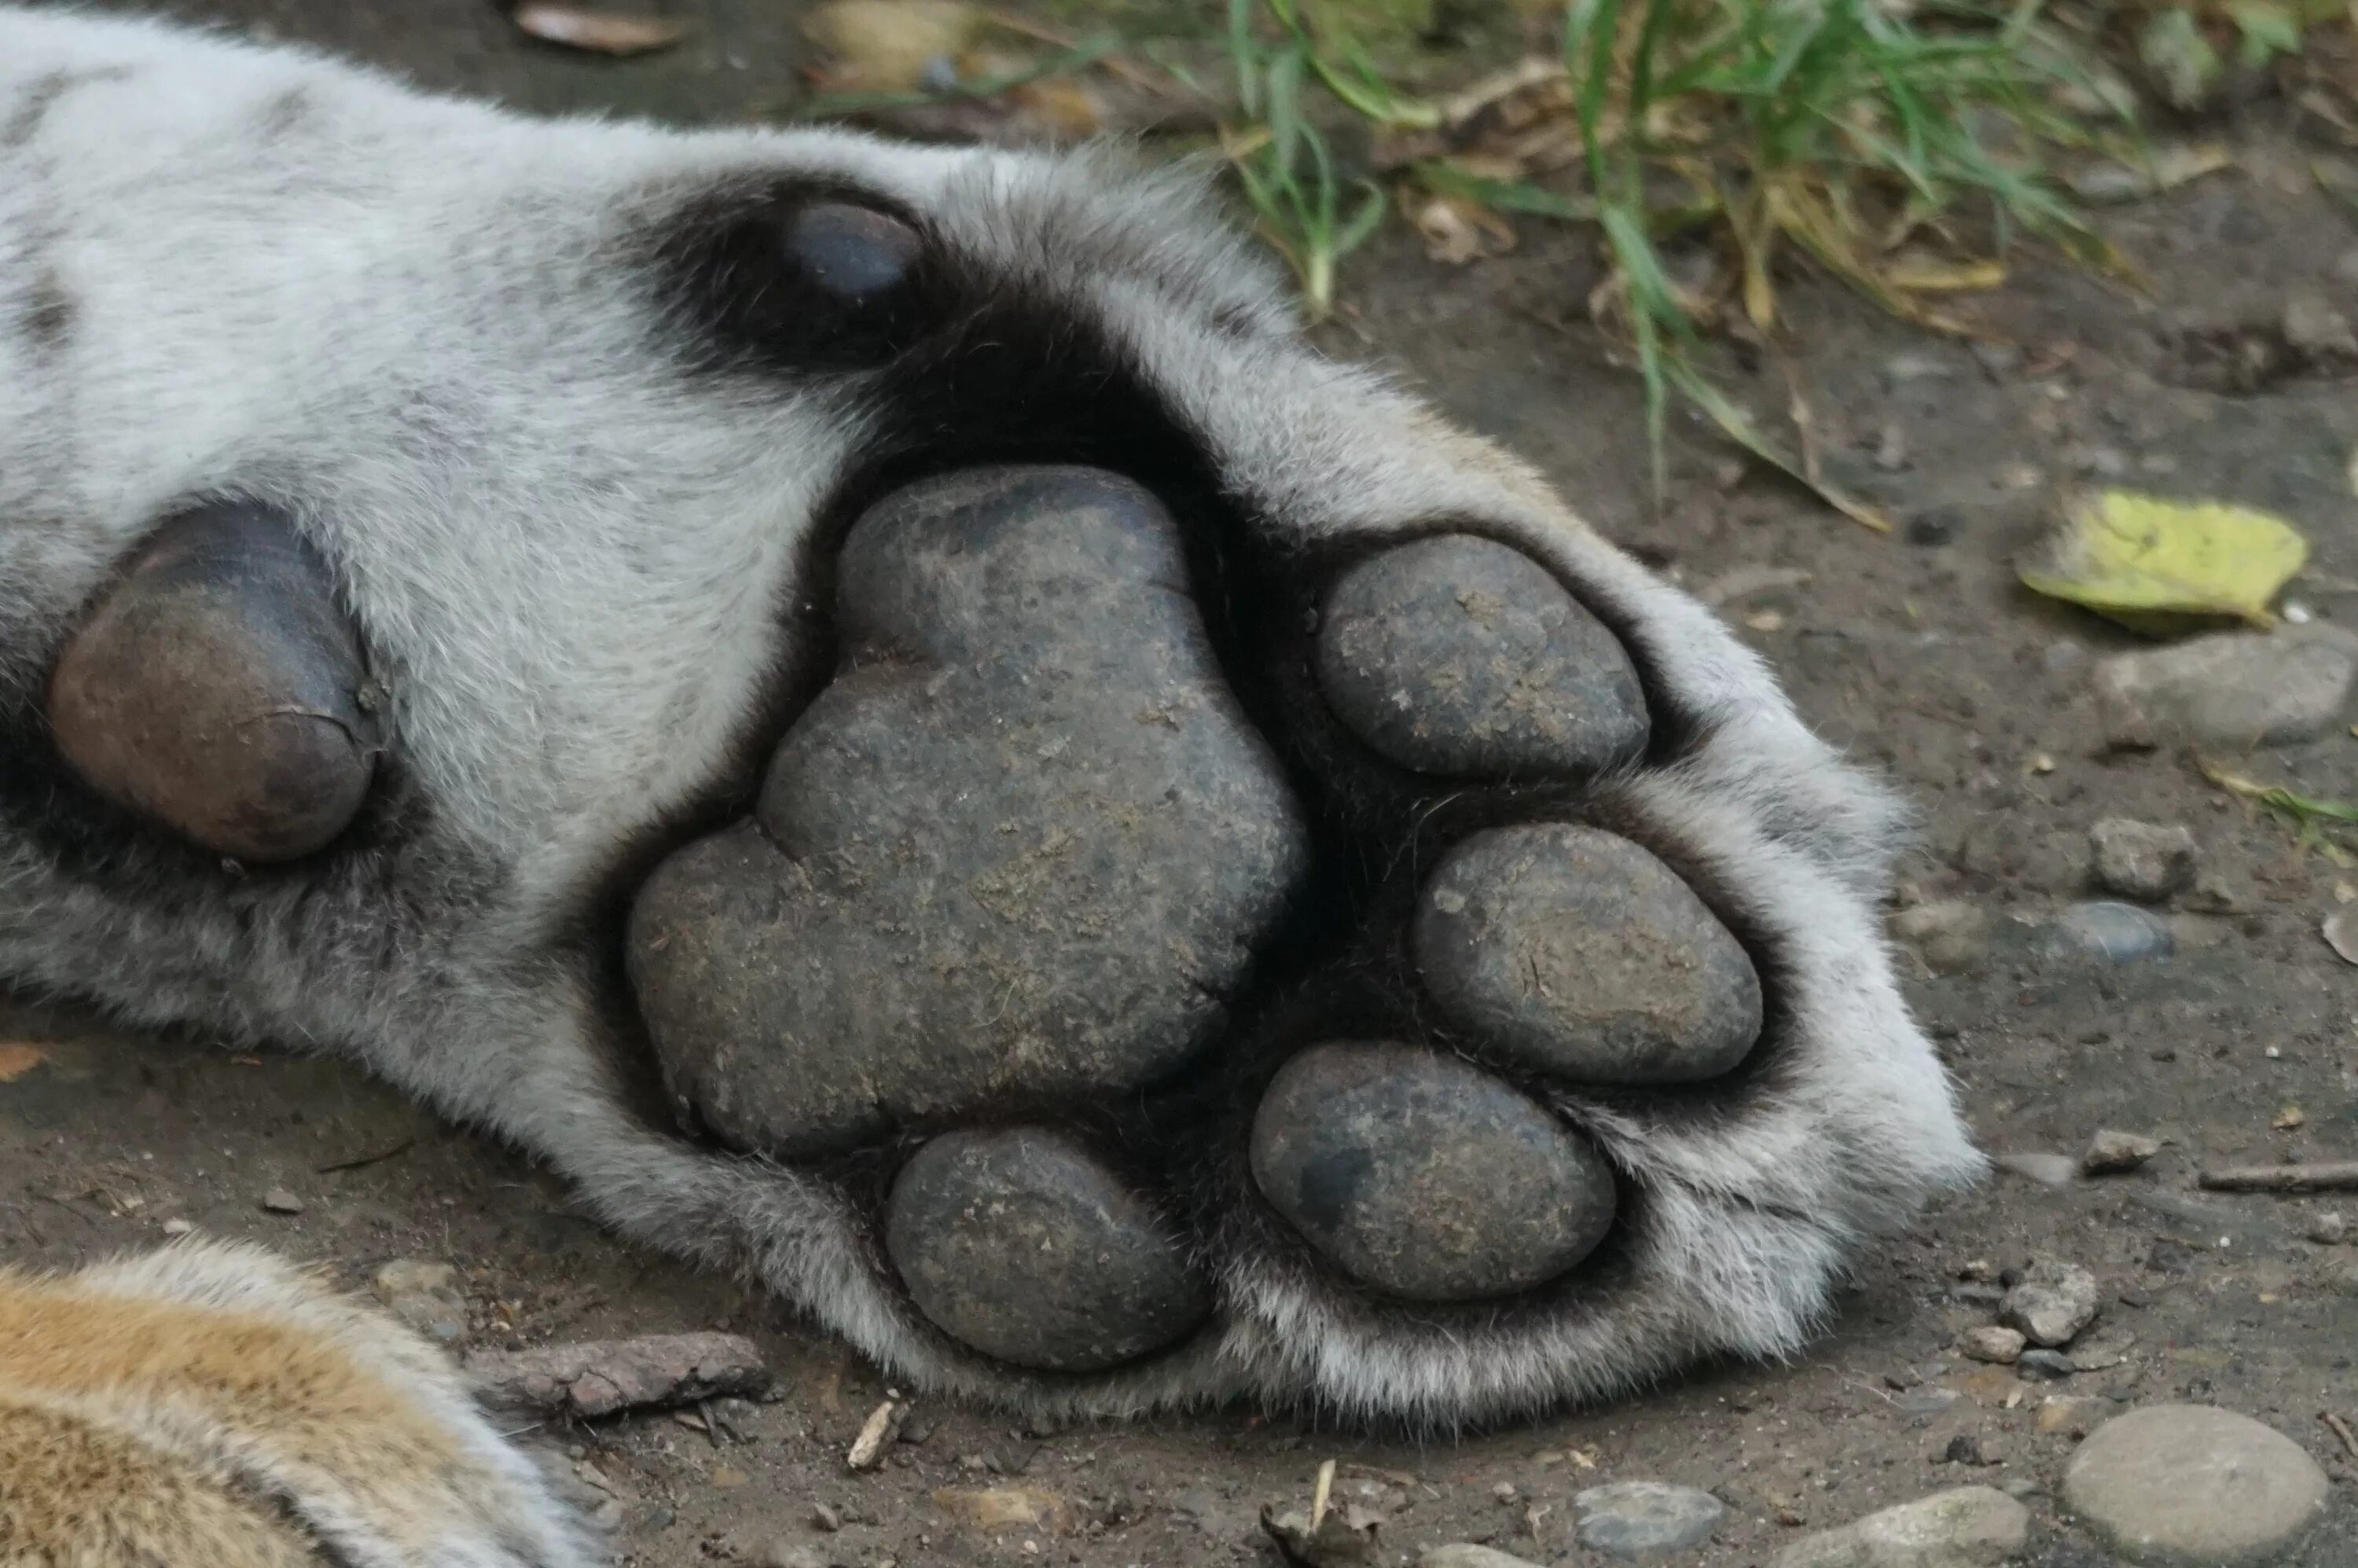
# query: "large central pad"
x,y
1021,847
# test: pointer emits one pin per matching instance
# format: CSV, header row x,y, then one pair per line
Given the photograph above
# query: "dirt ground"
x,y
1918,652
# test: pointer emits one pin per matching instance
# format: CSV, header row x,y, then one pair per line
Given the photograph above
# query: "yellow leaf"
x,y
2151,564
17,1060
1930,274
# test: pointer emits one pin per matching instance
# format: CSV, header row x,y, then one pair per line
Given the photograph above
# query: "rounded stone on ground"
x,y
2144,860
1462,1554
1950,934
1640,1521
1018,1242
2232,689
2052,1303
2111,1152
2192,1487
1999,1346
2046,1366
1462,657
1969,1527
2116,933
1579,952
1422,1176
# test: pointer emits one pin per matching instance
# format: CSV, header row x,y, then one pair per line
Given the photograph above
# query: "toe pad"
x,y
1021,1244
1460,657
216,690
1422,1176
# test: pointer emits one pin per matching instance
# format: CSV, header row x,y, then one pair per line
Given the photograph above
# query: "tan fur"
x,y
211,1407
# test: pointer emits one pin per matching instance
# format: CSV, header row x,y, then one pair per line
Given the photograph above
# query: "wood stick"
x,y
2323,1177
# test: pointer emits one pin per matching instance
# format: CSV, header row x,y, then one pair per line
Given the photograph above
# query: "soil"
x,y
1918,652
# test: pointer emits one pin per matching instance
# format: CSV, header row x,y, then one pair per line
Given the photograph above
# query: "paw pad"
x,y
1020,1243
1422,1176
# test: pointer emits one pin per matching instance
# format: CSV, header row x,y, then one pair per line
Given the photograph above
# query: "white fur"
x,y
401,316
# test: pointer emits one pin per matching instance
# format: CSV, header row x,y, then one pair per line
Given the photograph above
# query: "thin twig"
x,y
358,1161
2341,1430
2323,1177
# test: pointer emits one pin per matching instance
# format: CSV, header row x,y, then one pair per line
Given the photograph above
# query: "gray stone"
x,y
2330,1228
278,1200
2231,688
1576,951
1025,824
1949,935
2053,1303
1462,657
2115,933
2190,1486
2312,327
1020,1243
2000,1346
2141,860
424,1296
1926,1401
2046,1366
2110,1152
1462,1555
1641,1520
1422,1176
1970,1527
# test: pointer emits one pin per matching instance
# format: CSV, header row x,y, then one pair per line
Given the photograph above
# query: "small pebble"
x,y
1971,1526
2116,933
278,1200
2191,1486
2330,1228
826,1517
1949,935
2230,688
1966,1448
2053,1303
1999,1346
1926,1401
2110,1152
179,1228
1464,1555
2046,1366
2142,861
424,1296
1638,1519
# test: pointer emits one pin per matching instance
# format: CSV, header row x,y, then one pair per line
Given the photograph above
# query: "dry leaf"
x,y
2342,934
892,46
1456,230
996,1508
596,31
2289,1117
2151,564
17,1060
1931,275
